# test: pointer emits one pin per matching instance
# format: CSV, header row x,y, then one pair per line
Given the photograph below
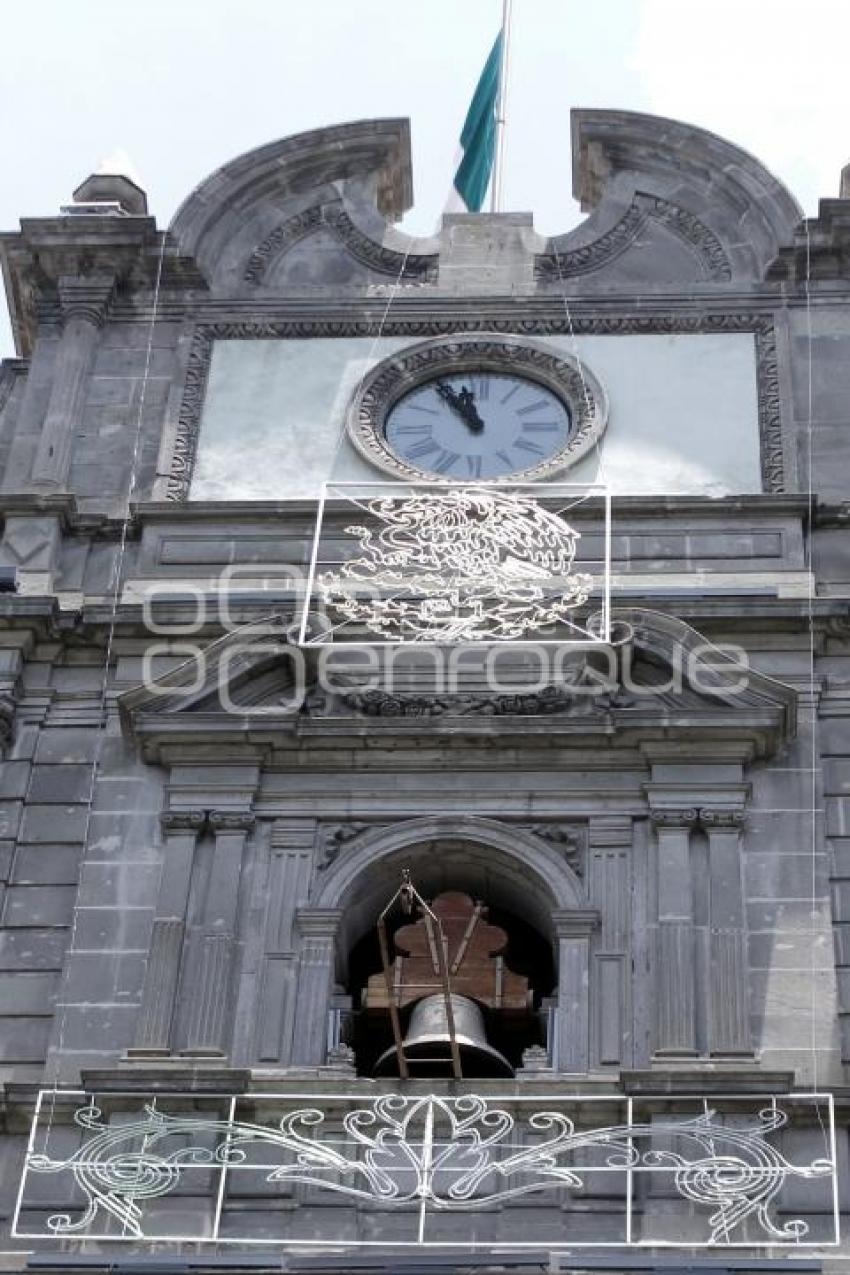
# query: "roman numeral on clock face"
x,y
532,407
407,428
524,445
425,448
445,461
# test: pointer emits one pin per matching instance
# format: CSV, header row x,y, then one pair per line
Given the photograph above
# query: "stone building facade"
x,y
195,851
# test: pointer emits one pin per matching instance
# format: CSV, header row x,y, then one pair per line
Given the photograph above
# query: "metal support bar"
x,y
409,895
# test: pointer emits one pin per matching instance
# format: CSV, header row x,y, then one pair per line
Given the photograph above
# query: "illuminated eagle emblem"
x,y
467,564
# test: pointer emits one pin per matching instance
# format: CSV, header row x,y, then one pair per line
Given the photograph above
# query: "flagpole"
x,y
496,189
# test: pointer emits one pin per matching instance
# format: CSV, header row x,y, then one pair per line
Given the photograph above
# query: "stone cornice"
x,y
49,250
820,249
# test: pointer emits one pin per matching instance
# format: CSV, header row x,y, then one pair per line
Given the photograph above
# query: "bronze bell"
x,y
427,1046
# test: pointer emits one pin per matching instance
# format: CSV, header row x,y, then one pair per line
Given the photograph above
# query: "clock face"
x,y
477,425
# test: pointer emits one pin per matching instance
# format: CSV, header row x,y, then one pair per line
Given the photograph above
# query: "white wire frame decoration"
x,y
447,563
432,1171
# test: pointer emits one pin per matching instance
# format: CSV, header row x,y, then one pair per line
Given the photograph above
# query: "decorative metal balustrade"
x,y
405,1169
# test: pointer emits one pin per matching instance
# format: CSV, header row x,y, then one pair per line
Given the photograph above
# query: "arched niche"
x,y
509,868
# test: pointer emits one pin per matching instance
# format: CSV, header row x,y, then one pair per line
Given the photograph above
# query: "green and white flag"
x,y
478,139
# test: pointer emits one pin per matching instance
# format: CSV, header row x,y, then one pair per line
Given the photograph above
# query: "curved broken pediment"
x,y
352,179
669,203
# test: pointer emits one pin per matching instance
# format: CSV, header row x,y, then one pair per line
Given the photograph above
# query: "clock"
x,y
478,425
477,408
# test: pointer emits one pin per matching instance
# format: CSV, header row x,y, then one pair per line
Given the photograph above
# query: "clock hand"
x,y
462,402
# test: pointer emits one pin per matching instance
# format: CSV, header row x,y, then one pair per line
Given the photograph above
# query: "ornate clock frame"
x,y
567,377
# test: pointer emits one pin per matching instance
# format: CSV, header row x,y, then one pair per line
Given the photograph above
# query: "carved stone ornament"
x,y
549,702
681,817
561,839
535,1058
543,323
722,818
341,1058
331,215
333,837
554,266
182,820
397,375
232,820
376,703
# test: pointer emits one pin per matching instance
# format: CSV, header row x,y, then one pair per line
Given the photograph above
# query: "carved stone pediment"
x,y
665,682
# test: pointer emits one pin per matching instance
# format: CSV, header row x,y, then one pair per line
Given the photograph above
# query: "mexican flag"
x,y
478,139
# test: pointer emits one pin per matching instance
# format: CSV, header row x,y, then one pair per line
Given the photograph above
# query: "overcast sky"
x,y
185,85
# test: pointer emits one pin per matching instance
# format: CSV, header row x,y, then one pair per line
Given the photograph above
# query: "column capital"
x,y
182,820
674,816
232,820
86,297
722,817
570,923
318,922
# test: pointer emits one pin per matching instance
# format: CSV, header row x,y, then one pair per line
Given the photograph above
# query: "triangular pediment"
x,y
661,678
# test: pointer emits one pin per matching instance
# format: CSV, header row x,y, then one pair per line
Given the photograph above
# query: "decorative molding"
x,y
421,267
10,370
564,840
722,818
318,923
687,227
341,1058
553,324
375,703
535,1059
682,817
232,820
554,266
575,923
182,820
280,240
334,837
87,298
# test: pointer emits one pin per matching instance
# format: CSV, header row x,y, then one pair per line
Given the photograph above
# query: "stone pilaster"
x,y
674,972
85,302
208,1025
316,928
728,1000
573,928
609,886
153,1030
290,871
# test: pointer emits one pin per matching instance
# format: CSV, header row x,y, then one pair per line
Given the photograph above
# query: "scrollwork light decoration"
x,y
458,564
444,1154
